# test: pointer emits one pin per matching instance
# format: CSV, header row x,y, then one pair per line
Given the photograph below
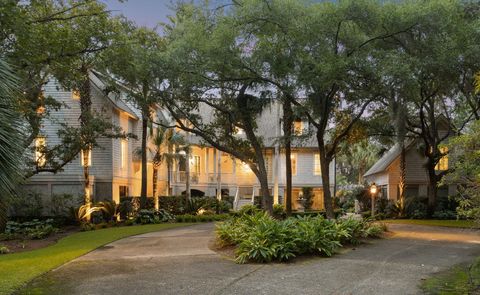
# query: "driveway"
x,y
178,261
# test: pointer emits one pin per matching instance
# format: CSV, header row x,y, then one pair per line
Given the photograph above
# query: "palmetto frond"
x,y
11,144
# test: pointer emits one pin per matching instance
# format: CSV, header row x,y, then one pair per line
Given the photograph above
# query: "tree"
x,y
96,33
136,64
439,52
11,147
466,171
210,95
40,39
356,158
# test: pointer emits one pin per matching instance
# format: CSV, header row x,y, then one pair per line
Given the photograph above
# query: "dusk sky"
x,y
145,12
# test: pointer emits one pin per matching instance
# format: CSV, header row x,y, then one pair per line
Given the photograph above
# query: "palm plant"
x,y
11,144
165,142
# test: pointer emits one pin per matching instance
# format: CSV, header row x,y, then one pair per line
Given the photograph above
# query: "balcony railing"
x,y
211,178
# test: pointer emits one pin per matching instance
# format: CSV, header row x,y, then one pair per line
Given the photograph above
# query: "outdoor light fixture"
x,y
373,189
373,192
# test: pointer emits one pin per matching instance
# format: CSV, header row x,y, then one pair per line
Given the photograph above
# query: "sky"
x,y
143,12
146,12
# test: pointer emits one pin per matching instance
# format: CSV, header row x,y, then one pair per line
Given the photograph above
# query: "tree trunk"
x,y
267,201
154,186
3,216
187,175
402,184
143,192
432,188
324,165
169,171
85,116
287,131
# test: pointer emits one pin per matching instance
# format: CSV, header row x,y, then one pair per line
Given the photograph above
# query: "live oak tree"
x,y
137,66
210,94
437,89
41,38
92,34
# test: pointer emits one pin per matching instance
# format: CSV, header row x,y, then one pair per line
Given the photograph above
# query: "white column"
x,y
219,175
276,158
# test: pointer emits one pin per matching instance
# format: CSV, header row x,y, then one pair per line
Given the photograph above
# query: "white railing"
x,y
236,199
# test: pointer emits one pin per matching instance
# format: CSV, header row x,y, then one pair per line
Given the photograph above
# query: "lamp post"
x,y
373,192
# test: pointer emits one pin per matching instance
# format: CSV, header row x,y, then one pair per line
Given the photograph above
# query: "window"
x,y
317,169
89,158
75,95
293,158
443,162
238,131
40,144
123,189
123,153
297,127
196,164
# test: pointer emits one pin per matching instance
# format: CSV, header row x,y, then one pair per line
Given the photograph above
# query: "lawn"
x,y
432,222
461,279
18,269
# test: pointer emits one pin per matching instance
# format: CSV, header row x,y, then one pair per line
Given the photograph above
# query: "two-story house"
x,y
115,167
213,172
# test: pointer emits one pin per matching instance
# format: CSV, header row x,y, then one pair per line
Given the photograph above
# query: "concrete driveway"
x,y
178,261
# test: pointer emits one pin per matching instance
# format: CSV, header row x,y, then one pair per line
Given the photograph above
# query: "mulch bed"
x,y
18,245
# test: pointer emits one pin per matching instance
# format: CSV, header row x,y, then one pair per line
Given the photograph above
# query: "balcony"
x,y
212,178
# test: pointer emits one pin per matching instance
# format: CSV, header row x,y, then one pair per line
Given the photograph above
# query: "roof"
x,y
388,158
119,101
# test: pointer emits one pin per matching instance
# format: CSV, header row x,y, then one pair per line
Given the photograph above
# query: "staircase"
x,y
241,203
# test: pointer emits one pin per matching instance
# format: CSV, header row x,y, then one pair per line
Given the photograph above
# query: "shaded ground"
x,y
179,261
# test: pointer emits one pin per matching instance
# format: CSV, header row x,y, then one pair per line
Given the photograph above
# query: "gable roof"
x,y
119,102
393,153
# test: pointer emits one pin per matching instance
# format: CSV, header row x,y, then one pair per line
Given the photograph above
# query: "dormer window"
x,y
298,127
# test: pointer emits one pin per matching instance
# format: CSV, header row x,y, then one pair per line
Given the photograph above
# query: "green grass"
x,y
431,222
461,279
18,269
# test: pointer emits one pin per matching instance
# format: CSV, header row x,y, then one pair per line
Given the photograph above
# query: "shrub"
x,y
34,229
147,216
27,205
249,210
4,249
261,238
307,195
279,211
60,204
444,214
110,210
200,218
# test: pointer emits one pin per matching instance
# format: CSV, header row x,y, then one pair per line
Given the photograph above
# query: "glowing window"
x,y
75,94
196,164
82,158
443,162
293,159
124,153
40,144
317,170
297,127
